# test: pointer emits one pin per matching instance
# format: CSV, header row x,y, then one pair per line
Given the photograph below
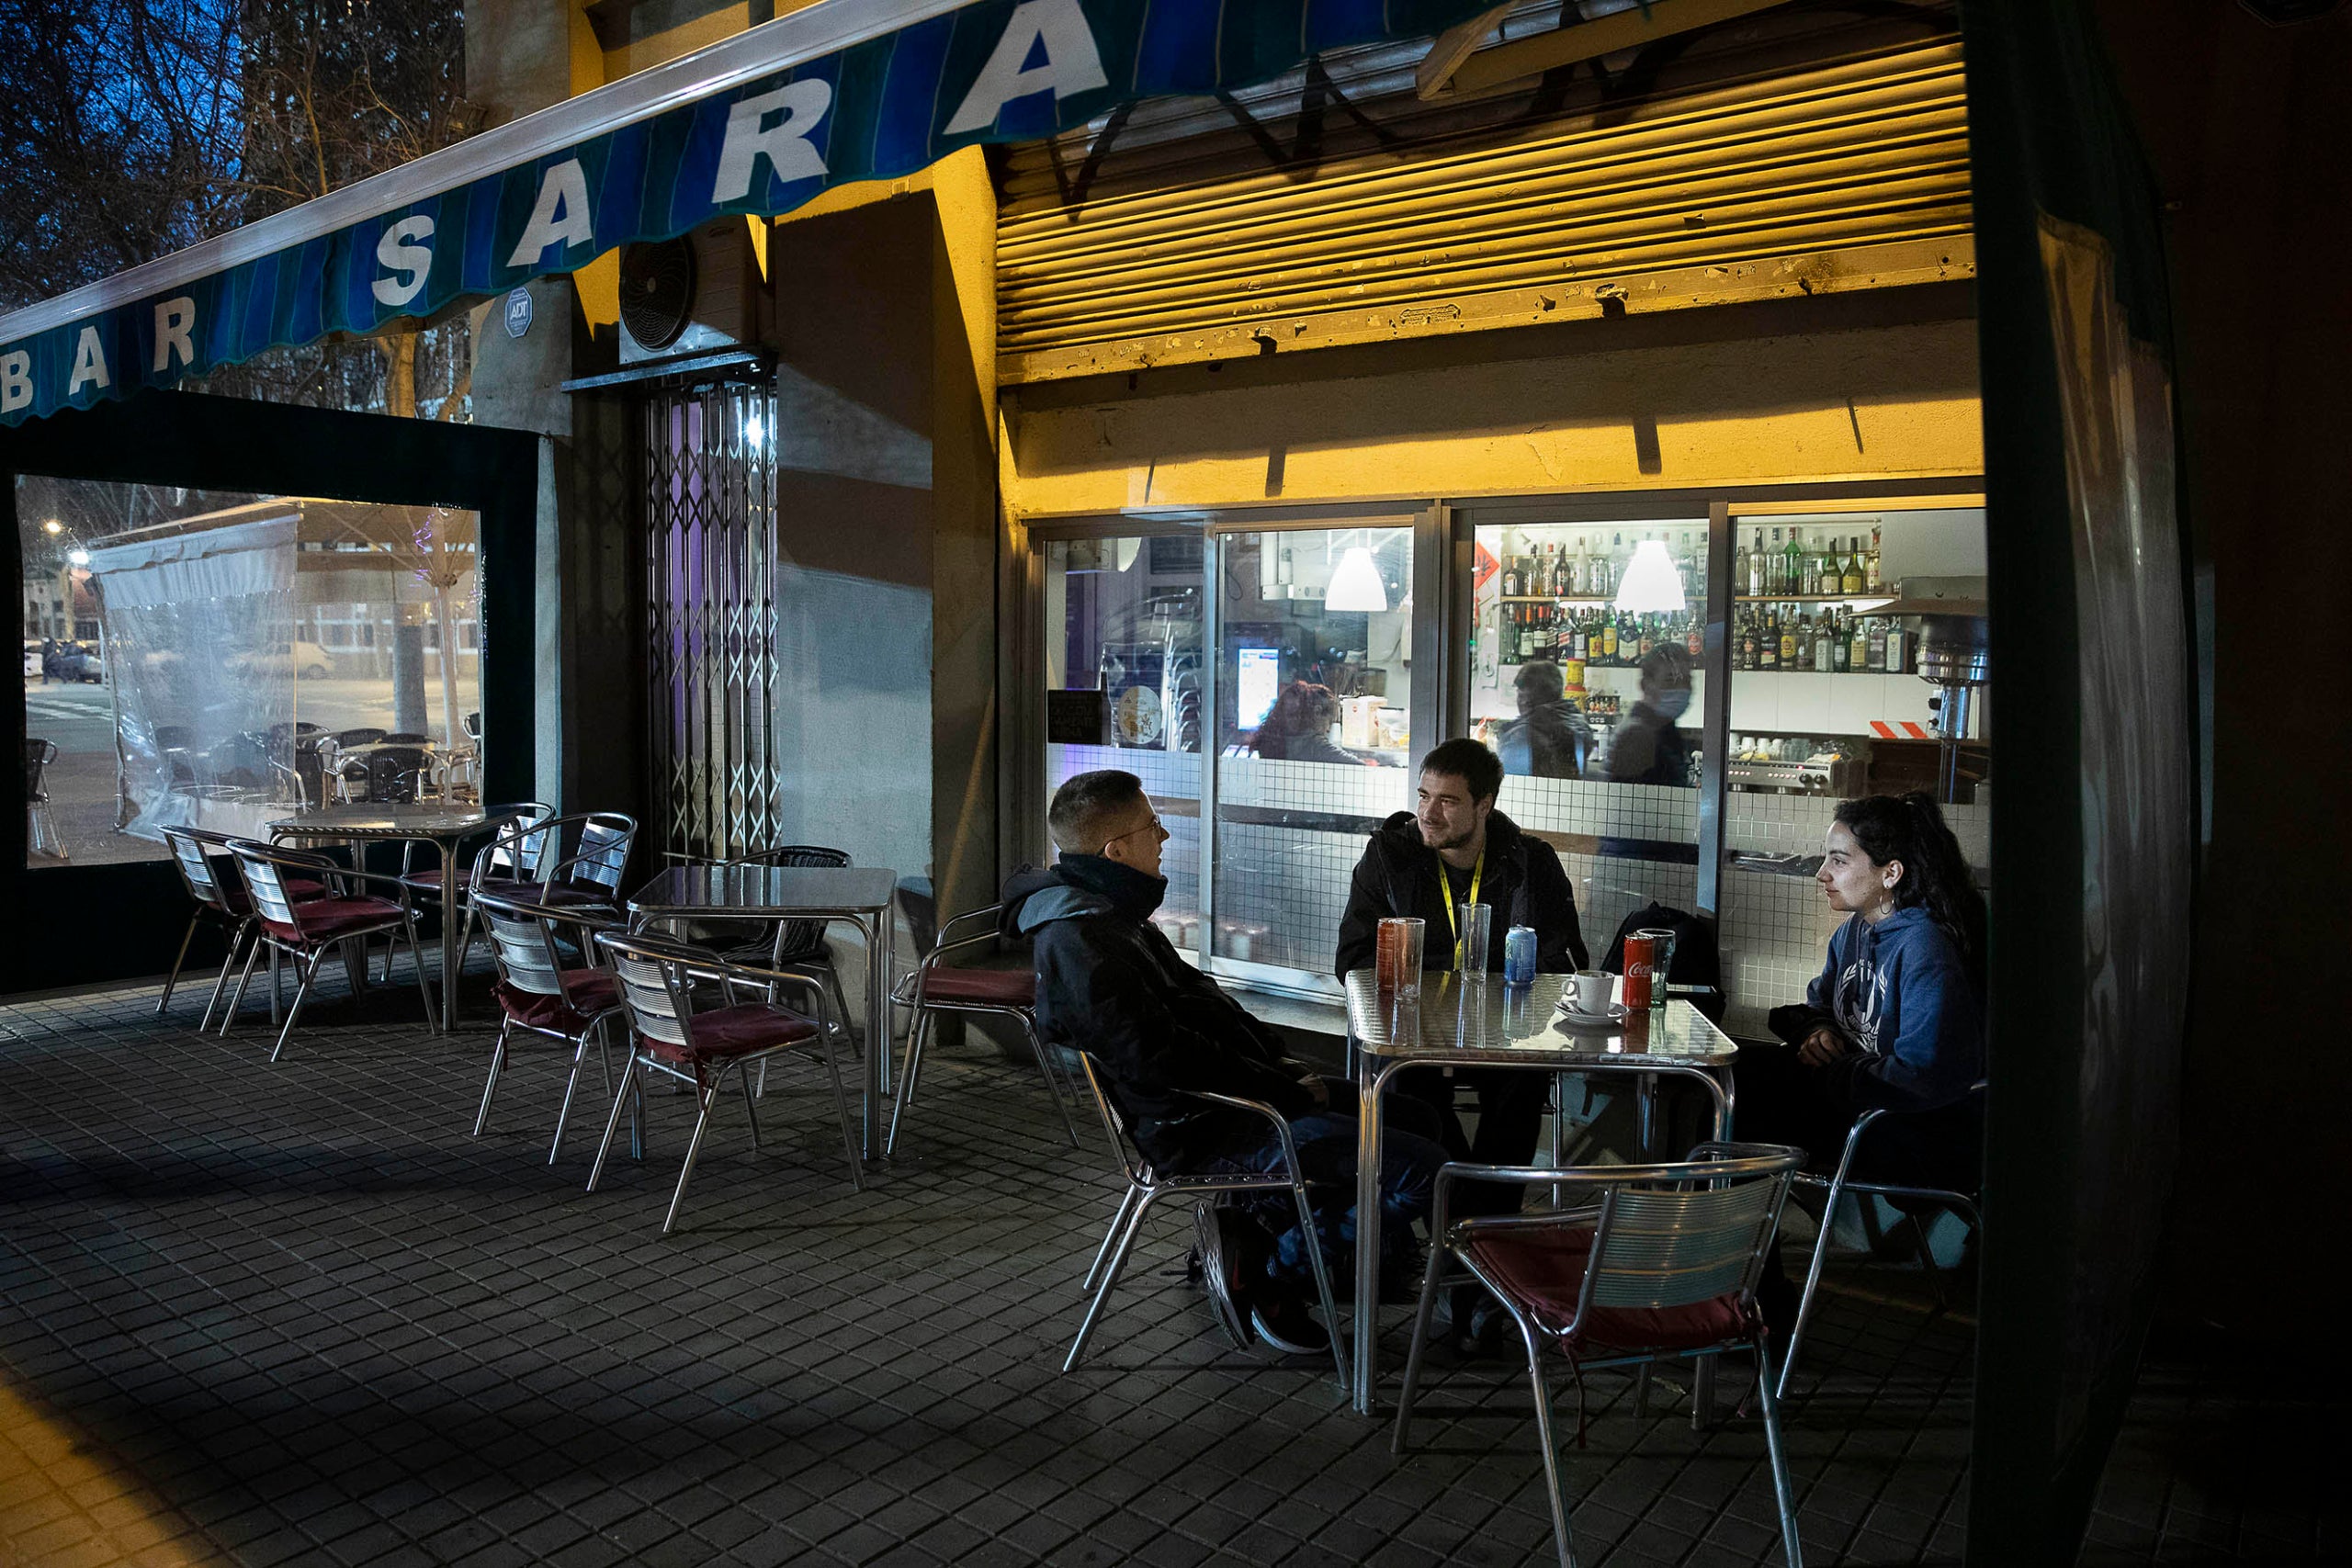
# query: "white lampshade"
x,y
1355,583
1651,585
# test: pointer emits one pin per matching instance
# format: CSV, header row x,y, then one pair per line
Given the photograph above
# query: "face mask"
x,y
1673,703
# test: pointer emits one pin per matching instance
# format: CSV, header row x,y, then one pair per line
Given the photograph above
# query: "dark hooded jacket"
x,y
1650,749
1524,883
1110,983
1550,741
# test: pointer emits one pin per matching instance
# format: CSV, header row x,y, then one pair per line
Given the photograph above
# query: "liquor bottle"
x,y
1857,646
1561,570
1581,644
1898,648
1823,658
1608,654
1618,561
1788,641
1580,573
1756,567
1852,582
1694,571
1768,641
1510,577
1878,643
1870,577
1739,566
1792,567
1695,638
1840,653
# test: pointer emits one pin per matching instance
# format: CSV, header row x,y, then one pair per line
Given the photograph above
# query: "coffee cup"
x,y
1588,991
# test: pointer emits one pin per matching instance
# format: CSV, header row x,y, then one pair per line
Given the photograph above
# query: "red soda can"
x,y
1641,962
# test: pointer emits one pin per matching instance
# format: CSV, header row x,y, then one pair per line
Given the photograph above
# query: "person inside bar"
x,y
1457,849
1110,983
1550,738
1650,748
1298,728
1894,1020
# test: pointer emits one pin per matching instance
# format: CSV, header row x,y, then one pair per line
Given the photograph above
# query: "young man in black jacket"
x,y
1427,863
1109,983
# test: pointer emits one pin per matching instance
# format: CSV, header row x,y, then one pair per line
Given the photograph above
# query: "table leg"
x,y
878,1027
450,956
1367,1303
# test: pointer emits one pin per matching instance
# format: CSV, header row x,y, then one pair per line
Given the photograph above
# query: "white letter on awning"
x,y
785,145
175,330
89,363
16,380
1071,63
395,253
561,214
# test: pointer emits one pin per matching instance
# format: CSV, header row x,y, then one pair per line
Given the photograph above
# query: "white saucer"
x,y
1616,1014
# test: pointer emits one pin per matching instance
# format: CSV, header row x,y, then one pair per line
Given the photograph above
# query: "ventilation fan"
x,y
657,291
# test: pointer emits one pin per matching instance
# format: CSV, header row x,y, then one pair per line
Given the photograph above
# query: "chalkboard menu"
x,y
1074,717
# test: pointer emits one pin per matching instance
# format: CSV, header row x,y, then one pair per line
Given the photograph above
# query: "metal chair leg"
x,y
253,954
1424,1314
236,939
1322,1275
490,1089
1792,1548
613,1122
841,1108
1812,1281
709,1097
1928,1261
571,1084
173,978
1117,1266
302,995
416,957
1543,1389
1094,1271
909,1075
1053,1084
750,1105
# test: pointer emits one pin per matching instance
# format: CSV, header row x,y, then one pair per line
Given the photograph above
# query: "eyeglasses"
x,y
1151,827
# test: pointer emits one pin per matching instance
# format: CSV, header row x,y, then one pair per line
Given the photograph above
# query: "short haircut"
x,y
1666,664
1543,676
1469,761
1087,805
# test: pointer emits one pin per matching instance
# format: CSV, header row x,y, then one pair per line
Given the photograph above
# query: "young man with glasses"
x,y
1110,983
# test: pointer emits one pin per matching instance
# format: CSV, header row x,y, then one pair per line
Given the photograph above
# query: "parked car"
x,y
305,660
73,662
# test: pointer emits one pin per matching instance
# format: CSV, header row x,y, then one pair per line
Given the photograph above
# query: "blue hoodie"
x,y
1899,991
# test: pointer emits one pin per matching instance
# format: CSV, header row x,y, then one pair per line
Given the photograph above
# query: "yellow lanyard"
x,y
1445,885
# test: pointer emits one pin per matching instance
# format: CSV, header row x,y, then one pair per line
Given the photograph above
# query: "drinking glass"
x,y
1476,922
1398,957
1661,961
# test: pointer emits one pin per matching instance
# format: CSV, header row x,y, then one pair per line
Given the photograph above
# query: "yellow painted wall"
x,y
1863,405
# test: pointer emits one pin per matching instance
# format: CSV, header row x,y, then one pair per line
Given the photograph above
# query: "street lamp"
x,y
53,526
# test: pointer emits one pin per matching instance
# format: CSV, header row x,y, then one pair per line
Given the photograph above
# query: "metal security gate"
x,y
711,613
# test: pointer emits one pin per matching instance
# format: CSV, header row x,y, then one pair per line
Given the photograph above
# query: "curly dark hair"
x,y
1911,828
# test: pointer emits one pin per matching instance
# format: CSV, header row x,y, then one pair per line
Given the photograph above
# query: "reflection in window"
x,y
246,657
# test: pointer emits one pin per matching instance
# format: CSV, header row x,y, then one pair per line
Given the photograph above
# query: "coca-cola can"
x,y
1641,965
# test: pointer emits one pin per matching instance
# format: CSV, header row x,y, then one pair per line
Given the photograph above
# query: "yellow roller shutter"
x,y
1848,174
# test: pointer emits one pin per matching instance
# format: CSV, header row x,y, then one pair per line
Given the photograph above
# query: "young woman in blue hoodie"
x,y
1895,1019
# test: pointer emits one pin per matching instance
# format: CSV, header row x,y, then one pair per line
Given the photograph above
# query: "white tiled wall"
x,y
1594,805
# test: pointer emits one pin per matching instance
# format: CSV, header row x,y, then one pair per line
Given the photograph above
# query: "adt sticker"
x,y
518,312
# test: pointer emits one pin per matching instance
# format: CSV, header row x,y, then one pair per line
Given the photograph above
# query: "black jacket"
x,y
1649,750
1550,740
1110,983
1400,876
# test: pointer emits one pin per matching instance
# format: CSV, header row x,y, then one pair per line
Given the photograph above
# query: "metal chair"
x,y
1661,1265
510,861
699,1045
39,824
217,898
1967,1205
1147,1187
540,993
1004,993
305,930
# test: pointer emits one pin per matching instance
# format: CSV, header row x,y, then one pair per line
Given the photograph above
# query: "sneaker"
x,y
1283,1321
1223,1254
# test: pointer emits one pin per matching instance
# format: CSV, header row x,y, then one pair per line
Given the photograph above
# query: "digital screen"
x,y
1261,679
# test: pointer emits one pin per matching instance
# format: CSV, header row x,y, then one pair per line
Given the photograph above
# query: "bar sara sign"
x,y
994,70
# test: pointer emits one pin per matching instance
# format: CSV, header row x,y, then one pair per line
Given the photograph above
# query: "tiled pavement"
x,y
262,1314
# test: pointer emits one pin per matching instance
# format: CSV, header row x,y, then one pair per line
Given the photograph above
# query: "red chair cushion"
x,y
325,919
723,1033
1543,1268
428,880
997,988
593,991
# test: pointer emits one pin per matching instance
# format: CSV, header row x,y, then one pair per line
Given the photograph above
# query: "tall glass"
x,y
1475,921
1398,957
1661,961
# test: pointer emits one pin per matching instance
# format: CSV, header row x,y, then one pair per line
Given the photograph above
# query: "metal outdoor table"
x,y
444,827
860,895
1480,1021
